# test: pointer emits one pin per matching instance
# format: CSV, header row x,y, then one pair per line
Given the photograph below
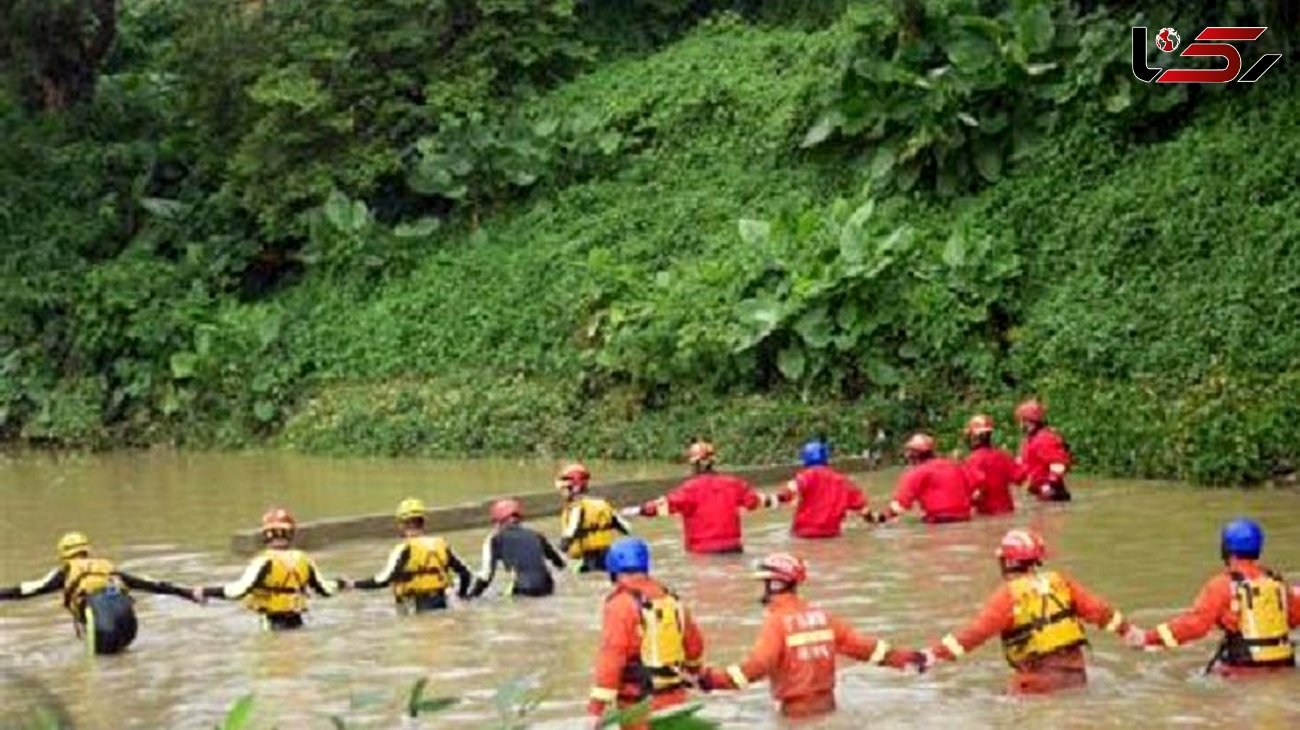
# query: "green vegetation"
x,y
515,701
471,227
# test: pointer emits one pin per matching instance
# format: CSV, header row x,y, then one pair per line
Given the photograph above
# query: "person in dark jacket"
x,y
523,552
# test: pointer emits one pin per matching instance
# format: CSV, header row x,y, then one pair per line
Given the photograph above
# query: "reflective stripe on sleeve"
x,y
737,676
810,637
1166,636
951,644
878,655
601,694
1116,619
661,505
1057,469
896,508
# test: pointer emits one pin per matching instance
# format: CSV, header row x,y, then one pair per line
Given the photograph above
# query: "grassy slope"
x,y
1151,271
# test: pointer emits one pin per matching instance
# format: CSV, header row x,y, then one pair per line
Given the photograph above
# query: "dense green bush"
x,y
542,226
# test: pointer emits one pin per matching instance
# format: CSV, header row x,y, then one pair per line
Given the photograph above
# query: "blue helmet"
x,y
815,453
628,555
1243,538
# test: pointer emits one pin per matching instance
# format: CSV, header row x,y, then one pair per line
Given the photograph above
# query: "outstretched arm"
x,y
570,523
160,587
763,659
253,574
464,578
1094,609
1197,621
322,586
396,559
551,554
51,582
868,648
488,572
993,619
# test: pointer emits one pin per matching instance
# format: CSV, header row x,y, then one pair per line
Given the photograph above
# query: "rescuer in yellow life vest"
x,y
1039,614
275,583
1253,607
419,567
590,524
650,647
95,592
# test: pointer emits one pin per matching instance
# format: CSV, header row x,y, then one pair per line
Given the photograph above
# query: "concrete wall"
x,y
470,515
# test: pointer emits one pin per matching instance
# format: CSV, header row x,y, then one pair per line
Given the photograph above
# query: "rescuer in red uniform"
x,y
942,487
1253,607
798,644
1039,614
996,468
709,504
1044,456
823,496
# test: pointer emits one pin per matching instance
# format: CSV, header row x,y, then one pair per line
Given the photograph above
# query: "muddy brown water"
x,y
1146,546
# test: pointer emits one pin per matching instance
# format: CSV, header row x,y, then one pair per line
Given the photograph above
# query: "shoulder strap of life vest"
x,y
291,562
79,569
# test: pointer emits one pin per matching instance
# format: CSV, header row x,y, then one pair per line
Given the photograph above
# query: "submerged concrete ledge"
x,y
468,515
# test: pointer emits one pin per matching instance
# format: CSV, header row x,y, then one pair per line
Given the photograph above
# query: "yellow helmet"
x,y
410,508
73,544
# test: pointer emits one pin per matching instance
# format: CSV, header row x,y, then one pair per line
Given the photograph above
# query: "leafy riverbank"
x,y
572,239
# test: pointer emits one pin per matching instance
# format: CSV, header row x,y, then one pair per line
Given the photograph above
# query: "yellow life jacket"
x,y
663,644
596,527
1263,635
426,568
284,587
86,577
1045,621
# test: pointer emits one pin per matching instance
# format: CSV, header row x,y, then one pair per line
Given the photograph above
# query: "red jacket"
x,y
710,507
796,651
824,497
942,487
1044,458
998,470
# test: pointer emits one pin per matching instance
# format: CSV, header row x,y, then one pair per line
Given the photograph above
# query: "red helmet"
x,y
278,520
700,452
573,476
979,424
919,444
1022,545
504,509
782,567
1031,411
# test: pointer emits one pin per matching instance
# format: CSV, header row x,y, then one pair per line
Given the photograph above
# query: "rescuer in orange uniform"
x,y
1253,607
942,487
1039,614
997,469
823,496
797,646
709,504
1044,455
650,646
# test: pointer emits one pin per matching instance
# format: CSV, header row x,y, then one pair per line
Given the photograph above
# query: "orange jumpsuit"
x,y
1061,670
796,650
616,676
1214,609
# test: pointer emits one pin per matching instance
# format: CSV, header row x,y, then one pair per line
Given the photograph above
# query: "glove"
x,y
922,661
1135,638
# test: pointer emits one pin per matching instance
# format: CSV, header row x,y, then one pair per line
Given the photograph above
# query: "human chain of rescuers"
x,y
651,649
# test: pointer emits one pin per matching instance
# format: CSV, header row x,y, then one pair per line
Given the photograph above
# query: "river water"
x,y
1147,547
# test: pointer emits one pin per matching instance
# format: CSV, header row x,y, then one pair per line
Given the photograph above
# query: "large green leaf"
x,y
792,362
815,328
988,157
